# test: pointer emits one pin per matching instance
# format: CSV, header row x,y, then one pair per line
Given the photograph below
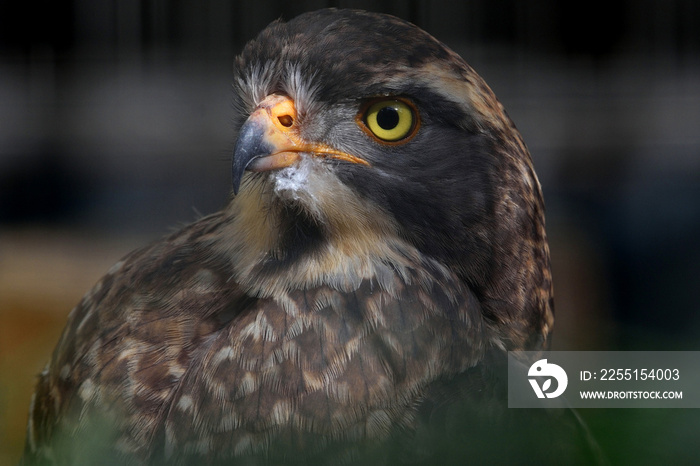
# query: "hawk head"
x,y
359,132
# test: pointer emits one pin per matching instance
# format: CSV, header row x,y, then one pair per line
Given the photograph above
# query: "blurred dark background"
x,y
115,128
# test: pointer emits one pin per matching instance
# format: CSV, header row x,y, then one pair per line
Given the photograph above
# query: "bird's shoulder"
x,y
130,338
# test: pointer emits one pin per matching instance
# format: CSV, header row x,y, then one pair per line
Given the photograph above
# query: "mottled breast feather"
x,y
166,359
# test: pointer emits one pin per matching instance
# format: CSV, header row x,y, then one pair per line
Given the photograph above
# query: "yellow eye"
x,y
391,120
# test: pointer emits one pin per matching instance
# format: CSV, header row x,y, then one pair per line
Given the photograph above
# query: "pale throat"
x,y
361,241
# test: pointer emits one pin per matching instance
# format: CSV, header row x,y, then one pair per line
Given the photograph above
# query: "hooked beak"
x,y
270,140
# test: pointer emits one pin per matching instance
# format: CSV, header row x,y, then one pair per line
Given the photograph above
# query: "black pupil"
x,y
388,118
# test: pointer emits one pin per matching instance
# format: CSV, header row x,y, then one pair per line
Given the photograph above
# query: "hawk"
x,y
384,247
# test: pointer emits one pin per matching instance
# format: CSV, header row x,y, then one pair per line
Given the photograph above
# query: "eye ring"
x,y
389,120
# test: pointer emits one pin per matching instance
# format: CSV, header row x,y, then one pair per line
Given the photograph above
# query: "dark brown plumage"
x,y
365,276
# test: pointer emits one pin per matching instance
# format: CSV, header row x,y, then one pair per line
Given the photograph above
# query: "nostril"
x,y
286,120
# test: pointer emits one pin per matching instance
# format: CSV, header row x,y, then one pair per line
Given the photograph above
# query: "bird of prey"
x,y
384,246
